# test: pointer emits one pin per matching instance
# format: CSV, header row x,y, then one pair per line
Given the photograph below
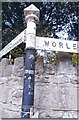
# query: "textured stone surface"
x,y
18,67
5,61
56,96
9,70
57,114
39,64
55,93
3,90
10,96
10,114
0,69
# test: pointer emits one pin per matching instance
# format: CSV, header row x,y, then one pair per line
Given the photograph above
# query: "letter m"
x,y
46,43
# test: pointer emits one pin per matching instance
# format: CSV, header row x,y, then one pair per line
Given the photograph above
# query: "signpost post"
x,y
34,43
31,17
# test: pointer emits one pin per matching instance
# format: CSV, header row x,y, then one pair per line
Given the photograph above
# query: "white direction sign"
x,y
45,43
14,43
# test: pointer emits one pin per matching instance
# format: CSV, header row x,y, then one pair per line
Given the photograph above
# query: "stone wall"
x,y
11,86
55,94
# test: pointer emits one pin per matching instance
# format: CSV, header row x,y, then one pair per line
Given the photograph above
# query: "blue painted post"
x,y
31,17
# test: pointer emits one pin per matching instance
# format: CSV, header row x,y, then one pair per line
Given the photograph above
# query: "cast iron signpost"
x,y
31,17
34,43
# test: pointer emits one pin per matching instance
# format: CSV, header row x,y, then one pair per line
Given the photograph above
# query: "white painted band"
x,y
31,35
31,28
31,41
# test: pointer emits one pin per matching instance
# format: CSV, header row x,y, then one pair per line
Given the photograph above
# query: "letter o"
x,y
54,44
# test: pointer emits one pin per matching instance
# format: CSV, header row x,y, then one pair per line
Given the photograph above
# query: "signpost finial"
x,y
32,12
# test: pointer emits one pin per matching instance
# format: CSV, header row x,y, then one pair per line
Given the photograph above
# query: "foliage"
x,y
11,34
75,57
52,59
55,17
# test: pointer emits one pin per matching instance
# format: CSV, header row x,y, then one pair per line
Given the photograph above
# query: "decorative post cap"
x,y
32,12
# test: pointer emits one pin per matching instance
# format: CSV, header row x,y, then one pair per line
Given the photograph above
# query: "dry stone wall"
x,y
55,94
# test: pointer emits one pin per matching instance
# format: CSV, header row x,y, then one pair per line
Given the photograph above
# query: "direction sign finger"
x,y
14,43
45,43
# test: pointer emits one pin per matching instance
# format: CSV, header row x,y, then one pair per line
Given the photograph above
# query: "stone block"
x,y
3,93
69,114
17,97
18,67
66,67
44,113
5,61
1,111
56,96
50,114
0,69
39,66
14,90
10,114
78,98
12,107
9,70
15,82
59,79
3,81
42,79
50,69
19,62
3,71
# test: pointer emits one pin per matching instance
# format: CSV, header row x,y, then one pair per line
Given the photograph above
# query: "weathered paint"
x,y
30,35
28,89
44,43
31,17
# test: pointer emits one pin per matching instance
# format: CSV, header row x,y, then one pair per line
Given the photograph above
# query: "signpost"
x,y
34,43
31,17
